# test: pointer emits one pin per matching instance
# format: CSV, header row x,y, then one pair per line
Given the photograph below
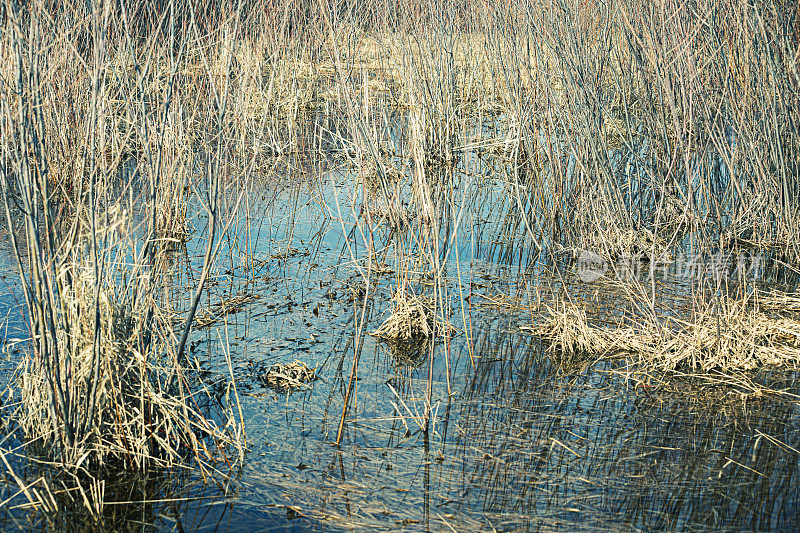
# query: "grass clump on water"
x,y
726,336
105,383
125,400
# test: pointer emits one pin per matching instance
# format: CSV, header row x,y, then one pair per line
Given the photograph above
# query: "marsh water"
x,y
519,440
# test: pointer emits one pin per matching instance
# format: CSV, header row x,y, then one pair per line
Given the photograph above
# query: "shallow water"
x,y
518,440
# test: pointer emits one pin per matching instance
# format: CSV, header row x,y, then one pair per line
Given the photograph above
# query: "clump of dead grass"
x,y
732,336
726,336
779,302
291,376
218,311
567,330
134,410
414,318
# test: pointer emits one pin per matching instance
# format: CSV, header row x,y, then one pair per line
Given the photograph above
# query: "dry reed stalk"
x,y
777,301
101,384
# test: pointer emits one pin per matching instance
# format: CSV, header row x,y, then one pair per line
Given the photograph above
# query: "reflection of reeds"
x,y
135,498
657,455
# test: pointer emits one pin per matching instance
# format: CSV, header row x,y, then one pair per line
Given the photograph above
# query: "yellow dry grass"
x,y
139,418
290,376
414,318
729,336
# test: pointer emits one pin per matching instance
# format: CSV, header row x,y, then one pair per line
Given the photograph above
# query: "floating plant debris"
x,y
220,310
291,376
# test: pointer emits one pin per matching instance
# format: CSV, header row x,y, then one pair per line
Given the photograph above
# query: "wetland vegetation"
x,y
452,266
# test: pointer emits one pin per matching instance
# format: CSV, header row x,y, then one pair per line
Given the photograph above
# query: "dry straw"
x,y
97,162
141,415
734,335
414,318
291,376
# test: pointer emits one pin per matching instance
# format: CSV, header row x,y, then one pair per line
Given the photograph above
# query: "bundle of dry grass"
x,y
630,244
132,409
730,336
567,330
413,318
779,302
287,377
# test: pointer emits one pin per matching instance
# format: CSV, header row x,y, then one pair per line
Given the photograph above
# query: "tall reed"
x,y
98,144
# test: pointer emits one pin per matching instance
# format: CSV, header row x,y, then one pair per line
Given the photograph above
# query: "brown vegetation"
x,y
729,336
631,128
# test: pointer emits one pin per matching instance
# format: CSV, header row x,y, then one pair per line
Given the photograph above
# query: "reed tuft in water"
x,y
727,336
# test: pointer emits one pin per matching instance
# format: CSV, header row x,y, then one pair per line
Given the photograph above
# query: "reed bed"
x,y
139,416
627,130
103,153
729,336
571,87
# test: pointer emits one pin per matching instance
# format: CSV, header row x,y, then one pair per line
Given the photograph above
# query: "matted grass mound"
x,y
291,376
731,336
413,318
567,330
